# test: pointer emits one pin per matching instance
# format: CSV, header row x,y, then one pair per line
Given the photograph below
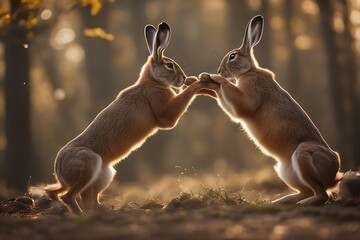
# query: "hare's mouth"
x,y
225,74
179,83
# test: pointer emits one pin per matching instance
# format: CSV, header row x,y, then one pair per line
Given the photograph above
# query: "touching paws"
x,y
212,79
190,80
207,85
205,78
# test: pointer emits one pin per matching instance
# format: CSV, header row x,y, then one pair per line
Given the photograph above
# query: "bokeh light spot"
x,y
74,53
46,14
310,7
59,94
64,36
303,42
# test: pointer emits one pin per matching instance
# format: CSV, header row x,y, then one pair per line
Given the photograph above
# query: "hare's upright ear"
x,y
253,32
150,32
162,40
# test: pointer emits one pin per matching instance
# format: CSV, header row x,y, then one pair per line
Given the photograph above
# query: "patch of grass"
x,y
152,205
218,195
209,198
184,201
128,205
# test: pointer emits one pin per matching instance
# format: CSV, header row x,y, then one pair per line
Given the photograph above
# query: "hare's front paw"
x,y
190,80
205,78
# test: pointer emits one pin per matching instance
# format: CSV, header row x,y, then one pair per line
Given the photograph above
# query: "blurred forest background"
x,y
61,62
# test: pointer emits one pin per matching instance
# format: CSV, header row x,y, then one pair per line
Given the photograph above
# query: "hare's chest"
x,y
227,106
260,135
252,131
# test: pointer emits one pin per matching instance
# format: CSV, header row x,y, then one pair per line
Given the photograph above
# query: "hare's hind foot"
x,y
315,200
291,198
90,196
302,199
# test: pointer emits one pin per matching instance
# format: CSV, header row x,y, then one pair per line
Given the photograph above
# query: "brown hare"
x,y
275,122
84,166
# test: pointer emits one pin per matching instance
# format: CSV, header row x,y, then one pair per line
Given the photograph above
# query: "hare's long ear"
x,y
162,40
253,32
150,32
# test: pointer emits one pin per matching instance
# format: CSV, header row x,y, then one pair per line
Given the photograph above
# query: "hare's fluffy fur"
x,y
84,166
276,122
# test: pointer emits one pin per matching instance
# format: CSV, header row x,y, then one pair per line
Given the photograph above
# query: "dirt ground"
x,y
221,222
198,213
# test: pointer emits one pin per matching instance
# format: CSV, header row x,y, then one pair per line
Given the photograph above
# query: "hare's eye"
x,y
170,65
232,56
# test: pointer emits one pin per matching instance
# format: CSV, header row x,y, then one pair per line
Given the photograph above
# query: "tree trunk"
x,y
265,46
65,106
17,106
239,15
293,74
98,61
349,73
335,77
154,159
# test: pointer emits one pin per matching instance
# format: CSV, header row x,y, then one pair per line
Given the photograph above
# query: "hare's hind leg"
x,y
79,172
287,174
71,197
316,167
90,196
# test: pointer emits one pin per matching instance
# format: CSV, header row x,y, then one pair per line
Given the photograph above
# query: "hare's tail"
x,y
54,190
348,185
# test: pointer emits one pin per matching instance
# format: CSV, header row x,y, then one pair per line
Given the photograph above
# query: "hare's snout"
x,y
222,71
180,81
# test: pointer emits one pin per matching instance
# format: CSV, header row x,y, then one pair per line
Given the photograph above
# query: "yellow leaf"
x,y
84,2
5,18
3,11
32,4
96,5
4,21
98,32
32,22
28,23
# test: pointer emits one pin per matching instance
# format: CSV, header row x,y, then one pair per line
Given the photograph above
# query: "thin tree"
x,y
341,83
349,72
17,34
293,74
17,101
98,61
